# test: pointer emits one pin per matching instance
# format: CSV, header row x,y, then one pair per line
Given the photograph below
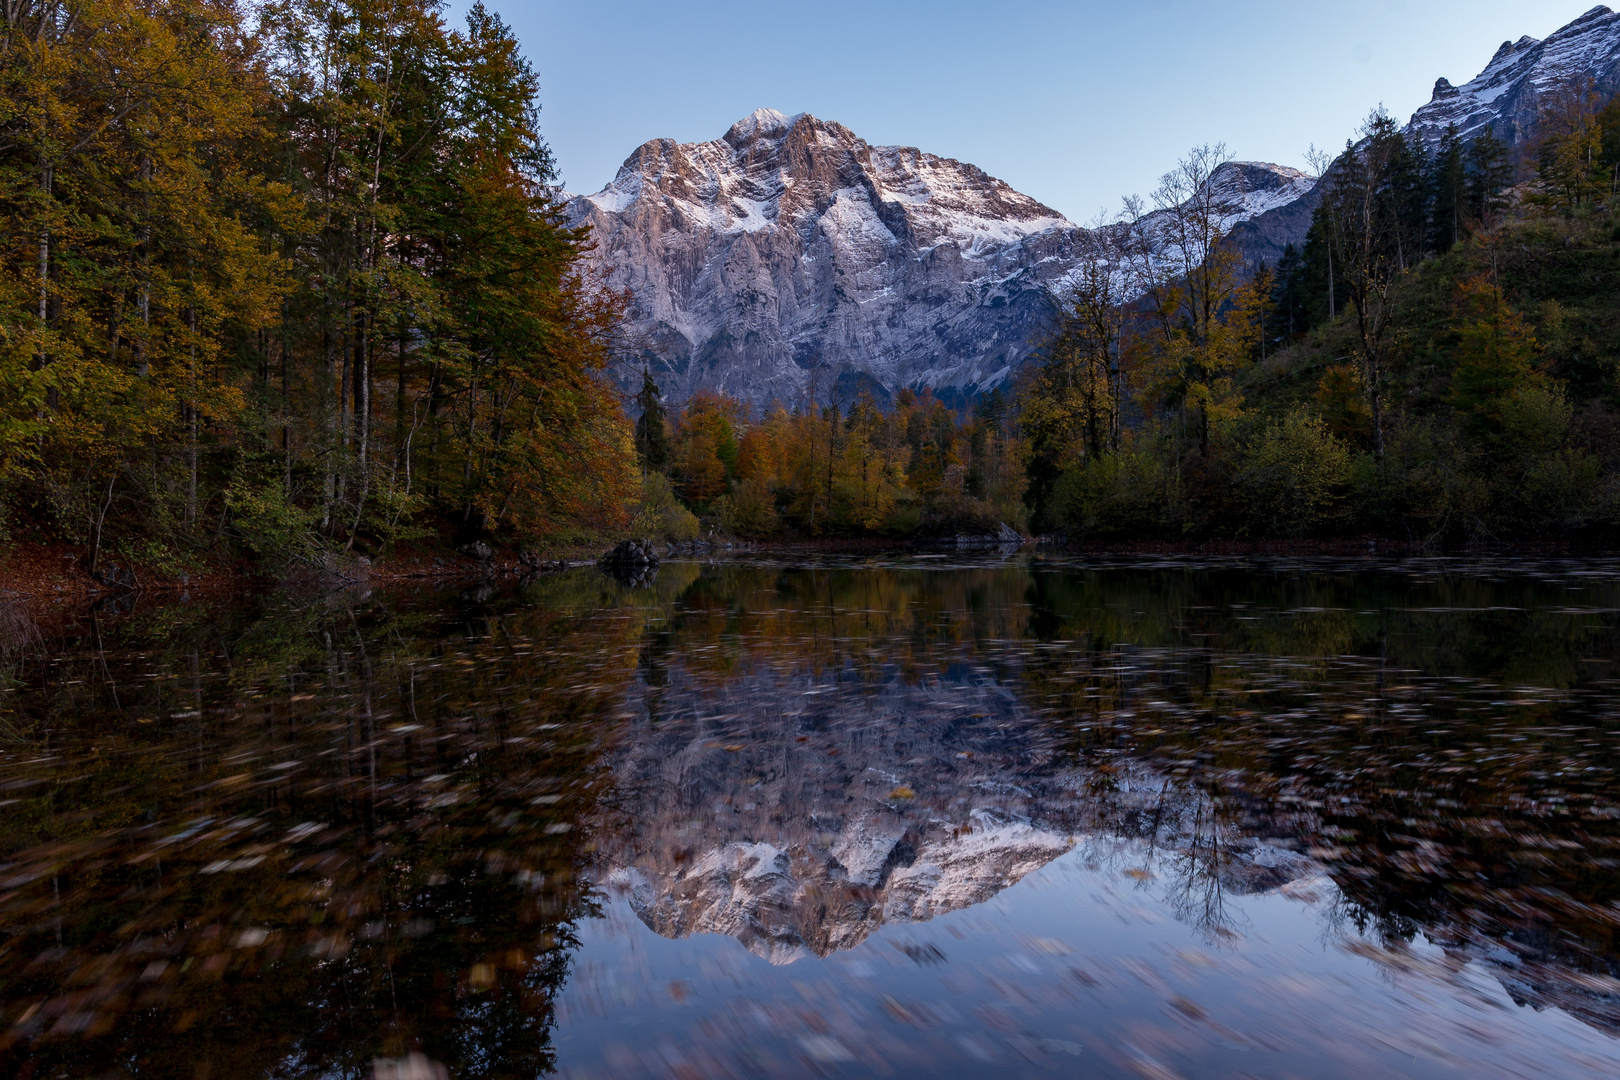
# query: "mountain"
x,y
790,255
1507,99
1509,94
798,815
791,246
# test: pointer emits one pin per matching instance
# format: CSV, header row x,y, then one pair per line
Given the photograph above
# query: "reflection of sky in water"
x,y
1048,914
1077,970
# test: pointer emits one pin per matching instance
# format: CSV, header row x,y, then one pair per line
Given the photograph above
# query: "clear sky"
x,y
1075,104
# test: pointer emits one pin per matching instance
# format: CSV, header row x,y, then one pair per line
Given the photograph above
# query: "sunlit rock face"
x,y
799,815
792,246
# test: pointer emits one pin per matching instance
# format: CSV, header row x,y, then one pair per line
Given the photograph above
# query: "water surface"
x,y
893,816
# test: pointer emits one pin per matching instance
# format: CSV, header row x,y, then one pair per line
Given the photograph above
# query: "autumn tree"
x,y
1188,270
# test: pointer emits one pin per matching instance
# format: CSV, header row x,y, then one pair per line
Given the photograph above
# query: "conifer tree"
x,y
1490,174
1404,179
1448,185
652,427
1290,312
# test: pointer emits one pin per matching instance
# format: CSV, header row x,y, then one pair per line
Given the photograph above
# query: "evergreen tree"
x,y
1448,186
1490,174
652,427
1609,126
1405,192
1290,314
239,237
1320,279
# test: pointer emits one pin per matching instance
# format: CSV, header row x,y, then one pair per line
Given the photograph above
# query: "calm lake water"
x,y
899,817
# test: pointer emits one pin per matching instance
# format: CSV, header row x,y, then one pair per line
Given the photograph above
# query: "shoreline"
x,y
39,577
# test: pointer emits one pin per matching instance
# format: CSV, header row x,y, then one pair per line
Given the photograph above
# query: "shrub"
x,y
1123,494
660,514
1295,474
750,510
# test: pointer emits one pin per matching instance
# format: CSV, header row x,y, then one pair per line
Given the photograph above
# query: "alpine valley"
x,y
791,257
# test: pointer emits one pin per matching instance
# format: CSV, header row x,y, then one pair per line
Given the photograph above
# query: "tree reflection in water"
x,y
288,842
276,838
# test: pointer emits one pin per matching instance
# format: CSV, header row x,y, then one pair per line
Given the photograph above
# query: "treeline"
x,y
291,276
1438,362
827,468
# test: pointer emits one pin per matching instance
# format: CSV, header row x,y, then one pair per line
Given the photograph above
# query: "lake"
x,y
895,816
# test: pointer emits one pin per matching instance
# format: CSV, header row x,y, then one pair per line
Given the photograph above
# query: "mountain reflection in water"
x,y
1217,819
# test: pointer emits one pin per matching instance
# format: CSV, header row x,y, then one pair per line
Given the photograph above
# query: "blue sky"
x,y
1075,104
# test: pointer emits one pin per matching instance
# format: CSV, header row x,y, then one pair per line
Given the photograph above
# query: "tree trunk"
x,y
286,409
1333,310
52,397
1376,398
191,425
143,290
101,517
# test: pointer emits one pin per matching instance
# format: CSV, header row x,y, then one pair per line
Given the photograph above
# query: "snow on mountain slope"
x,y
800,824
792,246
1252,188
1506,98
1509,94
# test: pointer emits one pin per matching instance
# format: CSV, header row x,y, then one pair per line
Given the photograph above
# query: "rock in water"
x,y
631,562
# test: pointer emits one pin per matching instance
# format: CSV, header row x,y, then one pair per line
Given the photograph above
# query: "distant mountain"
x,y
1507,96
792,253
792,246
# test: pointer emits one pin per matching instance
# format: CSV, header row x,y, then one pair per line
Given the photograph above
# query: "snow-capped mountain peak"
x,y
761,123
790,245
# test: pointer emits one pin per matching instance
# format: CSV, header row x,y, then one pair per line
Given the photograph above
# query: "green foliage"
x,y
750,510
1295,474
652,427
1447,372
267,524
660,514
1127,494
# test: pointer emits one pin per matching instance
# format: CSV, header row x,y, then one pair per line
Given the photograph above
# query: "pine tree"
x,y
1609,125
1321,279
1290,314
652,428
1490,174
1448,186
1405,192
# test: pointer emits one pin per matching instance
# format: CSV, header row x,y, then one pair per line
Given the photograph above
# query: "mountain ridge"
x,y
790,246
790,259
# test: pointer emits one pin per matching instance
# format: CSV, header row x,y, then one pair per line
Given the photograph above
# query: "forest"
x,y
290,281
292,284
1437,364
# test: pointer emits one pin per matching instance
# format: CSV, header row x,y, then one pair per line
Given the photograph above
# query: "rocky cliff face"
x,y
792,250
1509,95
791,246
